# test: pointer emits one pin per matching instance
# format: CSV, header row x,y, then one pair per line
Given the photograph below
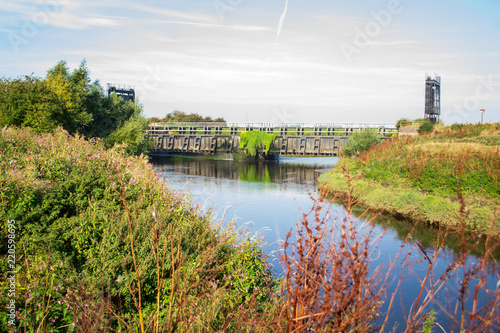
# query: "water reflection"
x,y
266,195
271,196
291,170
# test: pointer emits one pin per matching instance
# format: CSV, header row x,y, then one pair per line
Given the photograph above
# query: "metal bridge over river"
x,y
224,138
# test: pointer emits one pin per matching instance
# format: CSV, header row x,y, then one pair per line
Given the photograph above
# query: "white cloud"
x,y
201,61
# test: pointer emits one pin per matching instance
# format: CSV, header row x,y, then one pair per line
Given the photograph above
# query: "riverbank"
x,y
98,242
419,177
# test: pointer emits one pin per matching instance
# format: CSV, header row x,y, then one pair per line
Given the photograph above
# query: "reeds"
x,y
328,285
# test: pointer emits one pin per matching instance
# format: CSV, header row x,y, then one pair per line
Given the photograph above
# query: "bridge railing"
x,y
274,125
283,129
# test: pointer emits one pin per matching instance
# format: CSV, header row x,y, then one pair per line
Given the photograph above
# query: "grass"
x,y
143,257
419,177
103,245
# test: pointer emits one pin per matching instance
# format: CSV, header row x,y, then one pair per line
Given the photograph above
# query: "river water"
x,y
269,197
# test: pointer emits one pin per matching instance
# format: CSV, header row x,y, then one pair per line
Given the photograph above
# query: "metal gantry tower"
x,y
125,92
432,98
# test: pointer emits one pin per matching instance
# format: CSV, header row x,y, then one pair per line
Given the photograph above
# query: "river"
x,y
268,198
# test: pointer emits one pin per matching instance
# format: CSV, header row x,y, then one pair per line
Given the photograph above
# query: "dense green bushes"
x,y
71,101
80,209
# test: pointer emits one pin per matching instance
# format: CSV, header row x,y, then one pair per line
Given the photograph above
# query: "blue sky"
x,y
270,61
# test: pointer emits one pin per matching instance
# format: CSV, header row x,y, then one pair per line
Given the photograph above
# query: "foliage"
x,y
427,327
69,100
402,122
29,102
131,133
136,252
426,127
360,142
179,116
254,140
420,176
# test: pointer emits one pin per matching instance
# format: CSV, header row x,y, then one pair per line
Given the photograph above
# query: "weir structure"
x,y
224,138
123,91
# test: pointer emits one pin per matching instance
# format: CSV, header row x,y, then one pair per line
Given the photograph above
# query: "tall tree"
x,y
71,100
72,91
28,102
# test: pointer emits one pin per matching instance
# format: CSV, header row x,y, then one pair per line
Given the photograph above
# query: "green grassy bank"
x,y
419,177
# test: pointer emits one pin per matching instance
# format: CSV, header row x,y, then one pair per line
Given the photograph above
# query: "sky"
x,y
272,61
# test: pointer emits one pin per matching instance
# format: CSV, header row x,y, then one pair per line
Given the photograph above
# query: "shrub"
x,y
132,134
426,127
402,122
360,142
95,220
329,287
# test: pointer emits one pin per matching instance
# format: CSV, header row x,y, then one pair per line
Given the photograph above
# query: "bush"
x,y
360,142
103,245
402,122
131,134
426,127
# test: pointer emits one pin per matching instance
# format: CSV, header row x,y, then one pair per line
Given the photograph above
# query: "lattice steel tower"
x,y
125,92
432,97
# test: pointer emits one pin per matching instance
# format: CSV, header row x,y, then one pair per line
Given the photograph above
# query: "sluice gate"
x,y
228,144
223,138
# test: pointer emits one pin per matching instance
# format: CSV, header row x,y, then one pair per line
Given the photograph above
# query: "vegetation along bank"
x,y
102,244
420,177
93,240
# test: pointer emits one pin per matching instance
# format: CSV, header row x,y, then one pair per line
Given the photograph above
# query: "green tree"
x,y
28,102
179,116
72,101
154,120
72,91
131,133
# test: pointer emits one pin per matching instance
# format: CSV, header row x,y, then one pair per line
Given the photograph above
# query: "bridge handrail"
x,y
188,124
274,125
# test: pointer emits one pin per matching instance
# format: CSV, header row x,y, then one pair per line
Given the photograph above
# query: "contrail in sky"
x,y
280,25
282,19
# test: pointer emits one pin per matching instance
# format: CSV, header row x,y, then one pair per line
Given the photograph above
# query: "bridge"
x,y
223,138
